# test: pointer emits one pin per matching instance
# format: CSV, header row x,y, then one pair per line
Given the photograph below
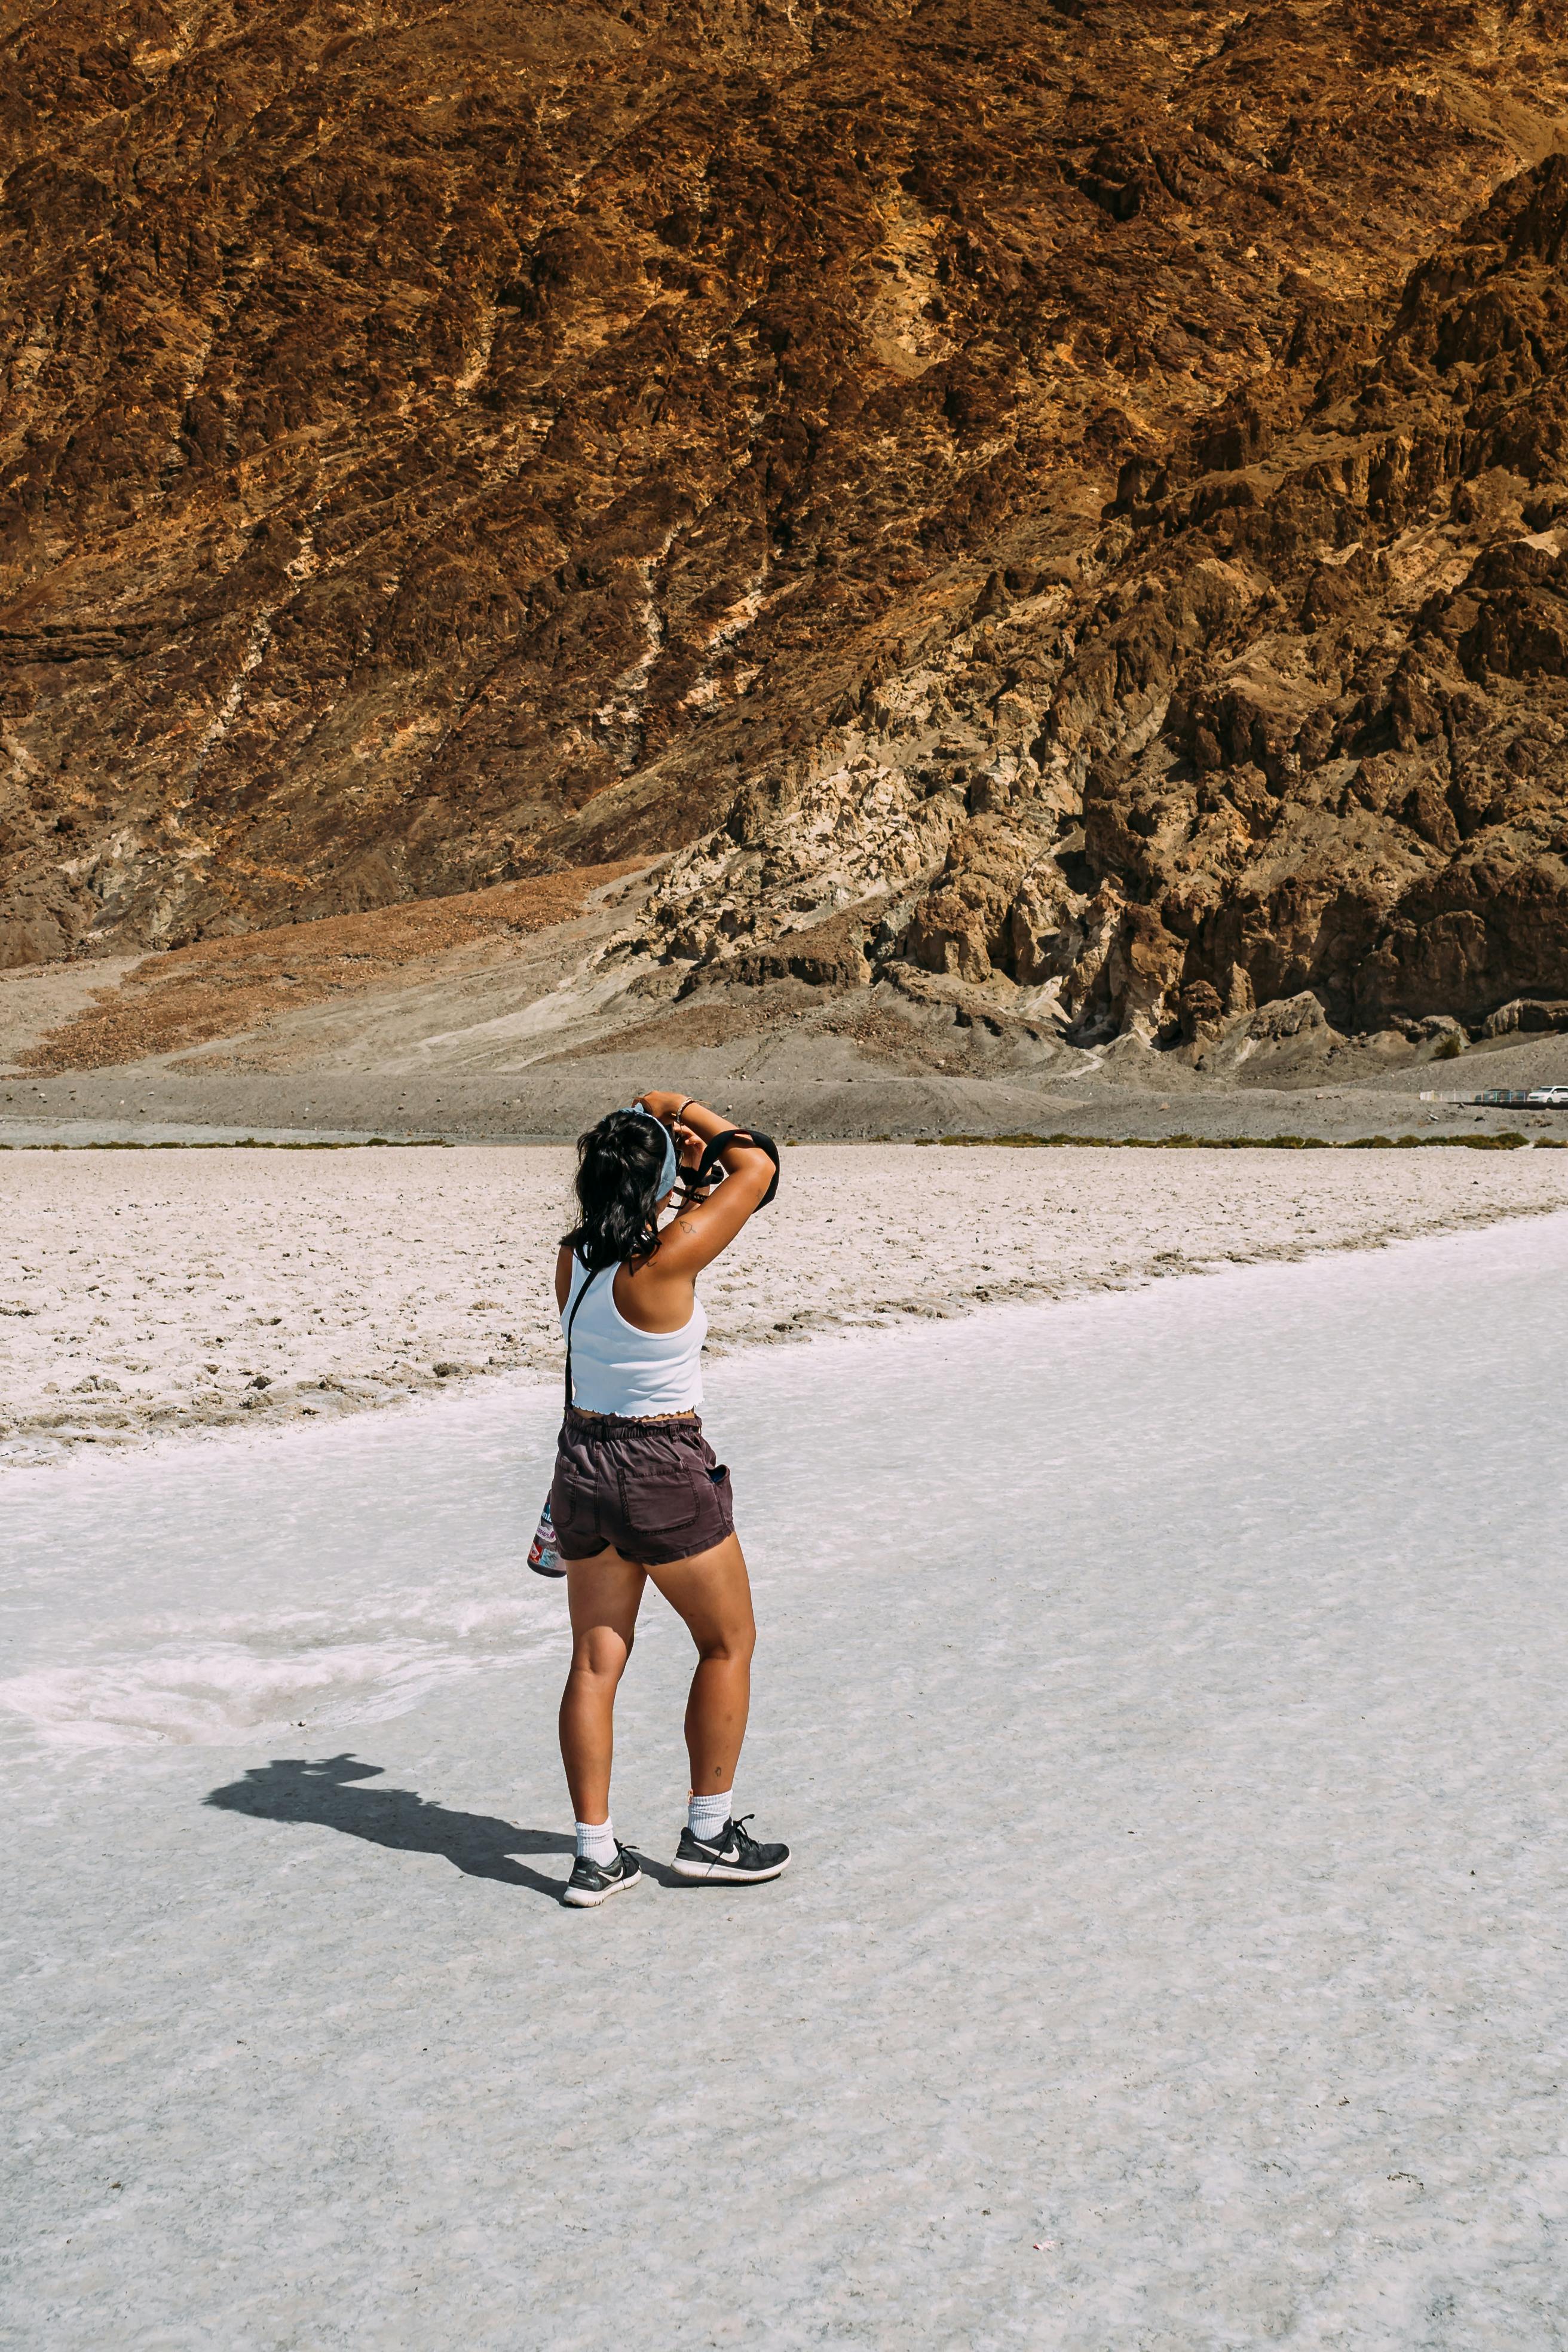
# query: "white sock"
x,y
706,1816
597,1842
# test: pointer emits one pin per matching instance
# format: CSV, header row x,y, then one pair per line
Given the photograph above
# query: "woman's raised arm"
x,y
701,1229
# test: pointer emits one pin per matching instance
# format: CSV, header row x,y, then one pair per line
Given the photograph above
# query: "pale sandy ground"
x,y
140,1294
1163,1694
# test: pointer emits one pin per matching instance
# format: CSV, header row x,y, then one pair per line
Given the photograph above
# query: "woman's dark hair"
x,y
619,1163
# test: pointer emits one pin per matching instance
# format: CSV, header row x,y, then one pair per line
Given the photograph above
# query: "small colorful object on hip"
x,y
542,1556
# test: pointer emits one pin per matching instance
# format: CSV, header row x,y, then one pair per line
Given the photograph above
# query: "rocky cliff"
x,y
1055,503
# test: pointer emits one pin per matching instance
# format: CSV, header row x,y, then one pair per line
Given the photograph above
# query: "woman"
x,y
637,1491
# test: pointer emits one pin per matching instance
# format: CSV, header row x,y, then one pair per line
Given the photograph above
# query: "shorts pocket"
x,y
574,1503
658,1501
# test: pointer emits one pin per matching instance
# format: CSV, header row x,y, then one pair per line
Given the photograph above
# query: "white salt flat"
x,y
1163,1695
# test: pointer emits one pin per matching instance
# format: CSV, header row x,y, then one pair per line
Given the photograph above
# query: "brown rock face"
x,y
1360,781
1078,484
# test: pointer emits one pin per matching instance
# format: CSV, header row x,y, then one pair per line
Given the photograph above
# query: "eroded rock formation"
x,y
1301,724
1054,501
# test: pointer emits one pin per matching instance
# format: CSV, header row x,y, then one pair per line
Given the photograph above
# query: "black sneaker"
x,y
595,1881
731,1855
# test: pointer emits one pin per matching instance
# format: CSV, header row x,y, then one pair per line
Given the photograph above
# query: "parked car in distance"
x,y
1549,1097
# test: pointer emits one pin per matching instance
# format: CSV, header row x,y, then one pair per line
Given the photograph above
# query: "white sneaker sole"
x,y
578,1899
723,1870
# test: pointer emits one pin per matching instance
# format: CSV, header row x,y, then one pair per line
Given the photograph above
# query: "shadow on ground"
x,y
327,1792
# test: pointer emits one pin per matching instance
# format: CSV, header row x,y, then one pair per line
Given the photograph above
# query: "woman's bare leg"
x,y
605,1595
713,1594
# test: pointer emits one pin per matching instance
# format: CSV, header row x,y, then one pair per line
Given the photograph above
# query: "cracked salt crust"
x,y
185,1291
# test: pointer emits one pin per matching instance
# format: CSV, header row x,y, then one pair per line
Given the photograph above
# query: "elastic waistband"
x,y
610,1425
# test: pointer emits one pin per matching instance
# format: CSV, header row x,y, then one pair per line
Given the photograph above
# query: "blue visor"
x,y
669,1173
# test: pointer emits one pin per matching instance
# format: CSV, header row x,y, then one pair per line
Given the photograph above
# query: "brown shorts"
x,y
652,1488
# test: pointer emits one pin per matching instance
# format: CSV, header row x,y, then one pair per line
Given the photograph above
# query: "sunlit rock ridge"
x,y
1066,503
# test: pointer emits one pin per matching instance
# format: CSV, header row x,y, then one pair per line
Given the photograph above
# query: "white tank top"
x,y
615,1368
